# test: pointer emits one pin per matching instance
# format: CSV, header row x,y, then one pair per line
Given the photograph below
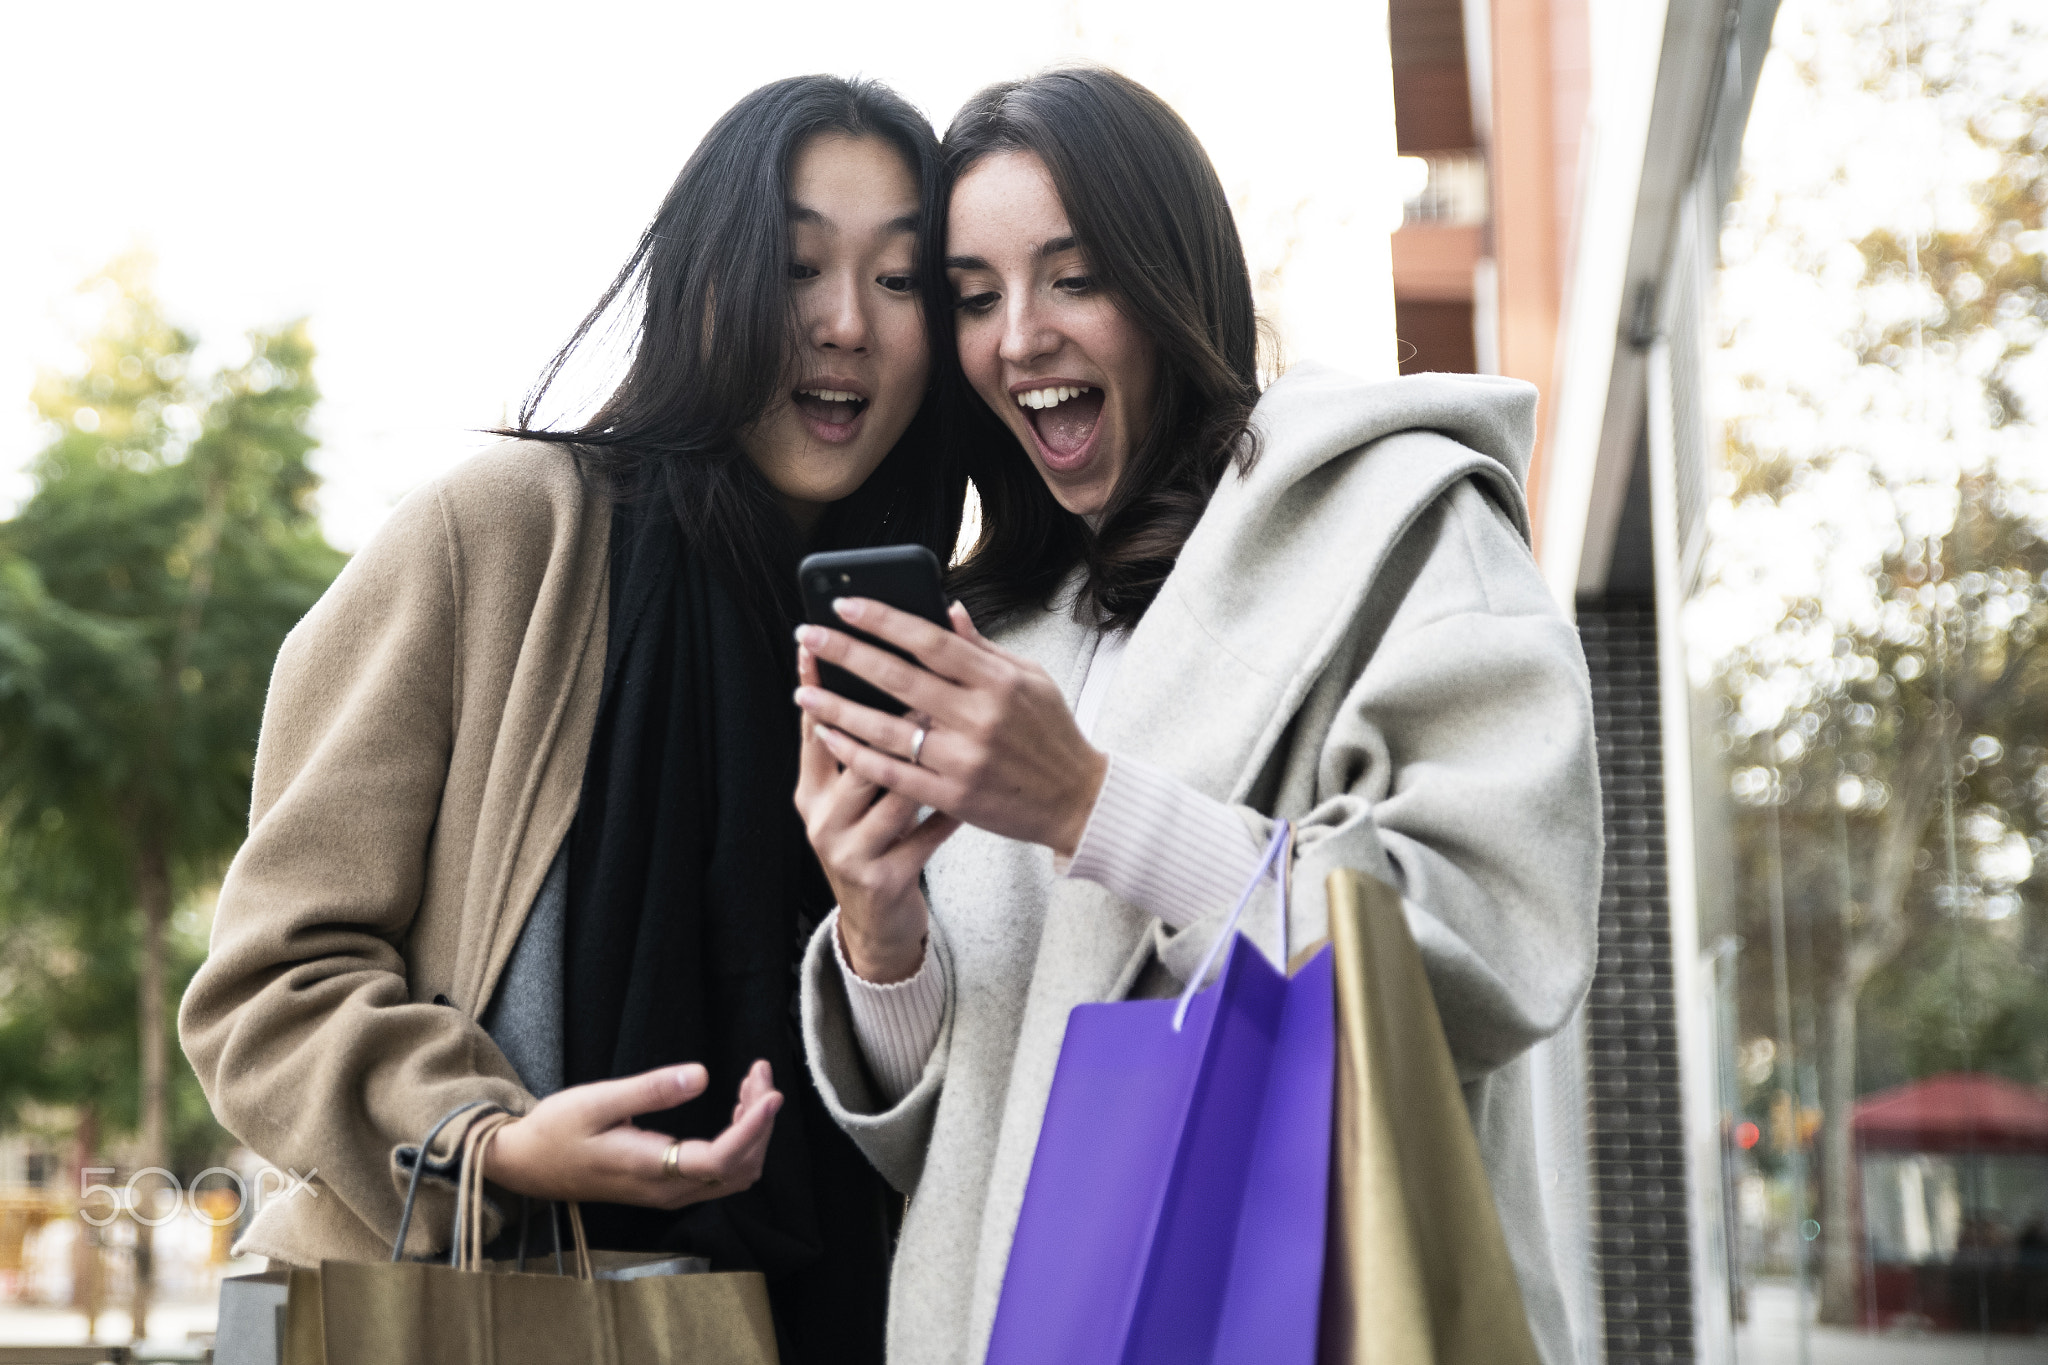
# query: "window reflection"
x,y
1869,652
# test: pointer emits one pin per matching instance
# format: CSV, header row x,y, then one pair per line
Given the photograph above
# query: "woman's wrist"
x,y
885,958
532,1159
1073,822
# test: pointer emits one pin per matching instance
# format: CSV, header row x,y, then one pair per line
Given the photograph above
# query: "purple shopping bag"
x,y
1176,1208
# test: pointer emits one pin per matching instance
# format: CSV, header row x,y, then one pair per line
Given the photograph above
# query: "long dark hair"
x,y
1151,218
710,347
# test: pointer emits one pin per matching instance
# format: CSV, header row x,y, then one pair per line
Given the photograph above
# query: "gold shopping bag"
x,y
476,1312
1417,1271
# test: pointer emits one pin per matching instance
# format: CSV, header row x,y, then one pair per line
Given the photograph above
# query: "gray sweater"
x,y
1357,638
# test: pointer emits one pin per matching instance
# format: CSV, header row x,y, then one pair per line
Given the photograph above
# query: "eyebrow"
x,y
799,213
1053,247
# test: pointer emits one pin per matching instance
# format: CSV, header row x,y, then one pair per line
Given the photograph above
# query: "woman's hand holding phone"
x,y
1001,752
872,847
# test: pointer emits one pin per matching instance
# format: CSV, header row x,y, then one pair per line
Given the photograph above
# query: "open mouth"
x,y
831,413
1065,418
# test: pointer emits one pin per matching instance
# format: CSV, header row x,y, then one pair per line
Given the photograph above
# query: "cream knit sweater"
x,y
1150,840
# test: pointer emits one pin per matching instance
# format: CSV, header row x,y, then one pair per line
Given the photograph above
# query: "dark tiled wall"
x,y
1640,1239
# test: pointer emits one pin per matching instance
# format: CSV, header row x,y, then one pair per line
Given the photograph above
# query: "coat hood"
x,y
1285,556
1313,414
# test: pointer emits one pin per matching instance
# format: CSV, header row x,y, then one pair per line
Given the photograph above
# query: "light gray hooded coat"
x,y
1355,637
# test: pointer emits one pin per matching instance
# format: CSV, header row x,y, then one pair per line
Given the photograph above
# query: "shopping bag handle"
x,y
1280,840
469,1194
467,1249
554,1229
412,1187
467,1253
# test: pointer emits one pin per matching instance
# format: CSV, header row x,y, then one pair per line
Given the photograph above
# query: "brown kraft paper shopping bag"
x,y
1417,1271
481,1313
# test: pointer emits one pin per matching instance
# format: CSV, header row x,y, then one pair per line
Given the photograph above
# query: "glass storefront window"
x,y
1868,649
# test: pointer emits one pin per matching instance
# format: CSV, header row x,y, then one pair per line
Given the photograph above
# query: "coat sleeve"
x,y
896,1025
893,1136
1457,763
301,1024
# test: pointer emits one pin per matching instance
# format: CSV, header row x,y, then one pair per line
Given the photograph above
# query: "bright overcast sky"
x,y
445,189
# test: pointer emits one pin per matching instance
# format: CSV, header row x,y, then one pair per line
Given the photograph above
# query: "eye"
x,y
976,303
898,284
799,271
1075,284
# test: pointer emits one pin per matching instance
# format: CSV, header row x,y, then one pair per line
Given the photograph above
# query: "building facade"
x,y
1562,227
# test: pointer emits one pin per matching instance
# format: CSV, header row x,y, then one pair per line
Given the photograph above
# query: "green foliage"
x,y
1957,999
144,590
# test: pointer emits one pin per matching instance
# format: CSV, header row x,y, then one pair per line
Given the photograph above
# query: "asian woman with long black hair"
x,y
521,828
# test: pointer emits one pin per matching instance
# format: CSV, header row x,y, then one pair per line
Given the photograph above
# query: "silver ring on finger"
x,y
917,745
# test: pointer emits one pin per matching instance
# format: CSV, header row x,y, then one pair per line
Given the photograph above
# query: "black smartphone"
x,y
904,576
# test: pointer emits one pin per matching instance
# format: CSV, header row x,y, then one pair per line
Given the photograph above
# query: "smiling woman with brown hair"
x,y
521,829
1206,609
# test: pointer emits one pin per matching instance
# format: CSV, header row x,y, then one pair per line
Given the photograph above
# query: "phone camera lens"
x,y
821,582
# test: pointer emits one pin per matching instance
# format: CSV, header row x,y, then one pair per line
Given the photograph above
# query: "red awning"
x,y
1954,1112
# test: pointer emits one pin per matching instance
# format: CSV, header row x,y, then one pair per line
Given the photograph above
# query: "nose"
x,y
1028,334
840,322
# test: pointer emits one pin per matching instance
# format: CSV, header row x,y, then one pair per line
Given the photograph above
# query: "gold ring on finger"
x,y
669,1159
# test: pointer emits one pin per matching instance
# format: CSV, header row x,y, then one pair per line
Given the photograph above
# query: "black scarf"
x,y
692,891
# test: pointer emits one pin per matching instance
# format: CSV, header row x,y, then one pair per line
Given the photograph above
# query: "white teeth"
x,y
1051,397
831,395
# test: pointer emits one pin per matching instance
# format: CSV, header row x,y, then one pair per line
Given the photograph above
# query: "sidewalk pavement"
x,y
1770,1338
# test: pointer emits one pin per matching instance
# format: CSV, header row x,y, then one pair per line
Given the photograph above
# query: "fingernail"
x,y
848,608
809,635
808,696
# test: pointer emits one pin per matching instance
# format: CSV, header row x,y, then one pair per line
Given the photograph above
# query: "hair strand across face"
x,y
709,282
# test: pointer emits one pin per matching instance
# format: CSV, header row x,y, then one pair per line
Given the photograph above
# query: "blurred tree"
x,y
1886,726
144,590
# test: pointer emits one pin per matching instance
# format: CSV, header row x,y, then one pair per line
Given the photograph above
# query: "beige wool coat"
x,y
420,761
